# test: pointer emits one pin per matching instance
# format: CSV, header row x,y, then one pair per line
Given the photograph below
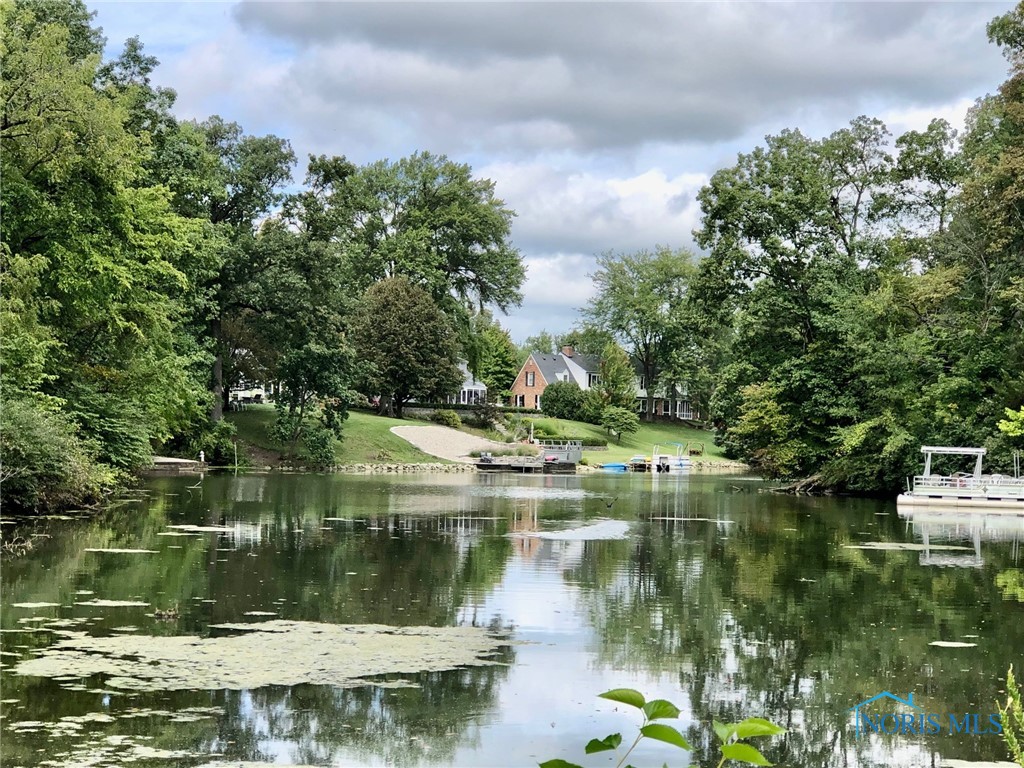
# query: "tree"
x,y
637,296
587,339
544,342
498,363
619,421
423,217
562,400
409,343
95,261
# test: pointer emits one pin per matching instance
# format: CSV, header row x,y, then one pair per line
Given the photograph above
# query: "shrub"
x,y
215,439
562,400
45,463
318,443
447,418
487,415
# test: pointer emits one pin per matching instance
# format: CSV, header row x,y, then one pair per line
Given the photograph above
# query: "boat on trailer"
x,y
964,490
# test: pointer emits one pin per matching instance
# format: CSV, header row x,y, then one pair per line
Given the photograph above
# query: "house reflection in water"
x,y
941,529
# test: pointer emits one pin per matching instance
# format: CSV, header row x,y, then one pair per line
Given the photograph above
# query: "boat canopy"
x,y
928,450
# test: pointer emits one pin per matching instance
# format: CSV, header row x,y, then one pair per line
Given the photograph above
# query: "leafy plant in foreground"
x,y
1013,719
731,735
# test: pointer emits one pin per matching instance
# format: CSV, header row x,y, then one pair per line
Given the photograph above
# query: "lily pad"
x,y
952,644
113,603
35,605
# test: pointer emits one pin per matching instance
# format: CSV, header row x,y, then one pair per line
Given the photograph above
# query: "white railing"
x,y
986,485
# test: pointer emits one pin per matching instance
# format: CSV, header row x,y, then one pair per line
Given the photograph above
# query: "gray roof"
x,y
553,366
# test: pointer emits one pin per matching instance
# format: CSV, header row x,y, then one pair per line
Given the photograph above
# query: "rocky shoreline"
x,y
457,468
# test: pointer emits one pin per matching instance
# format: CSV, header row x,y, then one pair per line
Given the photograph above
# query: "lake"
x,y
509,603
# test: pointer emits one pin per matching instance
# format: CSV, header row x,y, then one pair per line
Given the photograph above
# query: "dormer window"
x,y
592,379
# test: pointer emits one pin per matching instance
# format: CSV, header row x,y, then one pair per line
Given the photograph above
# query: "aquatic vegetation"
x,y
730,735
268,653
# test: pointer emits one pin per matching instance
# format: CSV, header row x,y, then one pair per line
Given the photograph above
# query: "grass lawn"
x,y
640,442
367,439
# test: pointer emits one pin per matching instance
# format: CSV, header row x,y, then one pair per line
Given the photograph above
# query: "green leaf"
x,y
624,696
558,763
756,726
603,745
660,709
723,731
744,753
666,733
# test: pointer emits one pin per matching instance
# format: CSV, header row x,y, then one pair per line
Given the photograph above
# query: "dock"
x,y
527,466
168,465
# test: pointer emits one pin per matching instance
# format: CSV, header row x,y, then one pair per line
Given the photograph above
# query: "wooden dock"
x,y
527,466
168,465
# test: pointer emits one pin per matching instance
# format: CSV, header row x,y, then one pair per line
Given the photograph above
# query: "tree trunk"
x,y
219,395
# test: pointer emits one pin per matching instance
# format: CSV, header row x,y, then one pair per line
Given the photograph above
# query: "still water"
x,y
705,590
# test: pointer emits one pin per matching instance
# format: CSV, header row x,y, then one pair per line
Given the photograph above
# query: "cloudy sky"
x,y
598,121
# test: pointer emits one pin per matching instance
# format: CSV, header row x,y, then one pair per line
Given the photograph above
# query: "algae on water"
x,y
274,652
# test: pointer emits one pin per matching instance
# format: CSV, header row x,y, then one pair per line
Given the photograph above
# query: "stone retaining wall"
x,y
392,469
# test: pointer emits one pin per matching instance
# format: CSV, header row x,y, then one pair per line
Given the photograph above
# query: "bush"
x,y
45,464
216,440
318,444
487,415
447,418
562,400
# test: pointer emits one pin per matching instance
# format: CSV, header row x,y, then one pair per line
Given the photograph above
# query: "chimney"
x,y
568,351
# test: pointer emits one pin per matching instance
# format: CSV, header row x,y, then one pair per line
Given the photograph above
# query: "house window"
x,y
520,401
592,379
536,401
531,378
643,405
643,382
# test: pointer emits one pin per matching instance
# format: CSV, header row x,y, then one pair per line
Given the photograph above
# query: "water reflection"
x,y
729,601
943,525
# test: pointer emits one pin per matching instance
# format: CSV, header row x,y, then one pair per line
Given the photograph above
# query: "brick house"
x,y
541,369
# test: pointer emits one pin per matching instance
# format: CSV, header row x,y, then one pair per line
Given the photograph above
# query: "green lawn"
x,y
367,439
640,442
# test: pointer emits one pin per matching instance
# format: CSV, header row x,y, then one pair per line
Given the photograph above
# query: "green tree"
x,y
409,343
96,260
587,339
543,342
500,365
424,217
637,296
619,421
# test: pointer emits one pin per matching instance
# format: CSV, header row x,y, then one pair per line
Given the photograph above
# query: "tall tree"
x,y
94,259
637,296
408,342
424,217
495,361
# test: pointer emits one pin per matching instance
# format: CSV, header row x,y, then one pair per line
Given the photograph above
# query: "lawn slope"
x,y
366,439
640,442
